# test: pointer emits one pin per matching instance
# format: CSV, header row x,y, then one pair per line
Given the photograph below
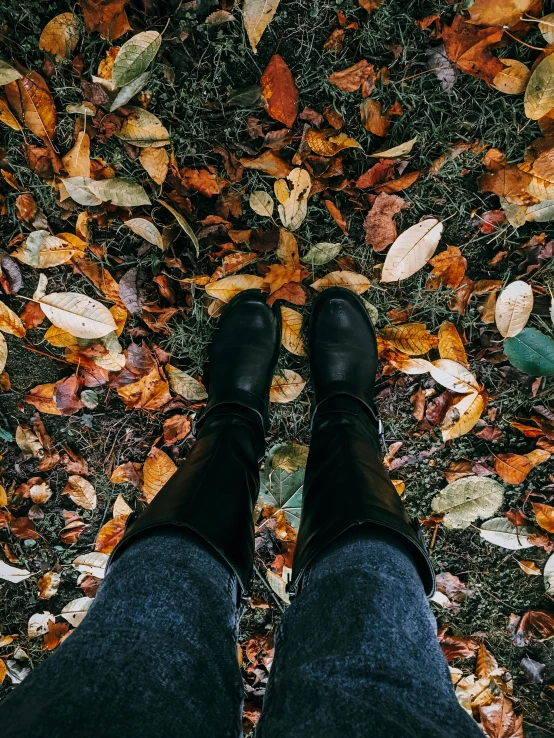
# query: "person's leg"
x,y
356,653
157,650
155,655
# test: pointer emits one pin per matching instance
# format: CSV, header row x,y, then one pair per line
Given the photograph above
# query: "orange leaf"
x,y
410,338
110,534
512,468
158,469
151,392
279,92
372,120
468,47
200,180
352,78
33,103
450,344
269,163
450,266
108,18
544,515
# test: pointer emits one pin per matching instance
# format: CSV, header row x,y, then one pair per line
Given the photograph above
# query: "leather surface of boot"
x,y
214,491
346,483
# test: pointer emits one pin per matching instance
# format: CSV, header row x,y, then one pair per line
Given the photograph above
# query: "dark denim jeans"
x,y
356,653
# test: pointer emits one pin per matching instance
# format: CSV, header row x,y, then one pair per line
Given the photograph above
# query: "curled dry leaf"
x,y
286,387
410,338
156,162
77,314
110,534
28,441
256,15
412,250
10,322
158,469
351,79
450,266
328,142
42,251
81,491
467,499
291,332
462,416
450,344
38,624
513,308
225,289
92,563
355,282
59,36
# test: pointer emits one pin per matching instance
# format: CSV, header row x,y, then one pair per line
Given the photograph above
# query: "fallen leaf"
x,y
176,428
42,251
379,226
529,567
10,322
81,492
145,229
351,79
468,499
291,333
110,534
79,315
372,120
455,377
355,282
450,344
462,416
12,574
74,612
321,253
328,142
143,129
59,36
156,162
109,19
292,194
286,387
279,92
77,161
410,338
544,515
150,392
257,14
261,203
158,469
499,720
450,266
412,250
396,151
185,385
33,104
501,532
267,162
513,308
469,48
225,289
135,56
498,12
513,79
48,584
38,624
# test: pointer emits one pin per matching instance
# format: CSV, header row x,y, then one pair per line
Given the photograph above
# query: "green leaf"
x,y
135,56
184,225
8,73
531,352
119,191
289,456
321,253
283,490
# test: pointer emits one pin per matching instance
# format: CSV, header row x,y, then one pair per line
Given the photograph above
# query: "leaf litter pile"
x,y
156,160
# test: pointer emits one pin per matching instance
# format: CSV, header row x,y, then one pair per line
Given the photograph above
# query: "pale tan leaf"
x,y
158,469
465,500
287,249
119,191
74,612
225,289
145,229
261,203
127,92
142,128
455,377
539,94
12,574
462,416
183,384
292,194
77,161
351,280
81,491
513,308
538,456
10,322
7,73
120,507
42,251
156,163
286,387
59,36
7,117
28,441
513,79
291,333
412,250
257,14
38,624
501,532
92,563
77,314
3,352
546,27
400,150
184,224
529,567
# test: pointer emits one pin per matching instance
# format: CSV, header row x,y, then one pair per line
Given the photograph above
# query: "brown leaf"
x,y
544,515
380,172
48,584
100,277
156,162
26,207
10,322
128,473
150,392
418,401
450,266
335,41
279,92
510,183
158,469
337,216
65,395
108,17
379,226
110,534
232,263
537,623
512,468
33,104
372,120
56,634
176,428
269,163
351,79
455,647
399,184
32,315
290,292
42,397
370,5
200,180
498,720
498,12
469,48
81,492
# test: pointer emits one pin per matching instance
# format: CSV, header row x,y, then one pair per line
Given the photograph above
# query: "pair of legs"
x,y
356,652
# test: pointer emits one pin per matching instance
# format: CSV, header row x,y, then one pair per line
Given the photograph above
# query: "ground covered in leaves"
x,y
144,185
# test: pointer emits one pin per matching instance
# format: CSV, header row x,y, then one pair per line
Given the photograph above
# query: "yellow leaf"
x,y
145,229
292,194
225,289
77,160
329,142
513,308
462,416
58,337
156,163
351,280
513,79
110,534
60,35
412,250
7,117
158,469
121,508
537,456
450,343
31,99
183,384
396,151
256,15
410,338
81,491
539,94
10,322
291,333
287,249
42,251
286,387
143,129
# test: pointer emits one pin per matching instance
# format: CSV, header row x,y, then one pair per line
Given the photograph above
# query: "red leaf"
x,y
279,92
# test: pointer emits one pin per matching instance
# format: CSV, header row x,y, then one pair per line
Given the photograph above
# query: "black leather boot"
x,y
346,483
214,491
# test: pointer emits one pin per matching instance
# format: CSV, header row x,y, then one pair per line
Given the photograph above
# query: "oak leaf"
x,y
450,266
352,78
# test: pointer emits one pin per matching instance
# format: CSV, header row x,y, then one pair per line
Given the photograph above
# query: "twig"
x,y
434,69
535,48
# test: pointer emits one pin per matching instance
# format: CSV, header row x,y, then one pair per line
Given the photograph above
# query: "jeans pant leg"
x,y
356,654
156,654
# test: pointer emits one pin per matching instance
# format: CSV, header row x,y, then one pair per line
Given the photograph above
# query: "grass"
x,y
209,66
